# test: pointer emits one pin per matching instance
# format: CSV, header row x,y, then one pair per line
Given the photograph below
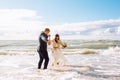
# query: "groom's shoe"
x,y
39,68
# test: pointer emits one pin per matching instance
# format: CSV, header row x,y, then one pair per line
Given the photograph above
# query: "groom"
x,y
44,39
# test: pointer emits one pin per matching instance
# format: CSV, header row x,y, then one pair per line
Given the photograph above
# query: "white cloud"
x,y
92,25
27,24
118,31
20,24
94,29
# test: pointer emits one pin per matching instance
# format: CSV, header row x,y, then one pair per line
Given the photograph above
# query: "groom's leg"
x,y
40,61
46,59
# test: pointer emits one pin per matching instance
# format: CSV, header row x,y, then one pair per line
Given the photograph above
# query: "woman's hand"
x,y
64,45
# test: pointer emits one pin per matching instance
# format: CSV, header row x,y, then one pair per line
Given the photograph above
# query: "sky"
x,y
72,19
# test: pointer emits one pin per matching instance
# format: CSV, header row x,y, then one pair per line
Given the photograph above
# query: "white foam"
x,y
112,50
24,67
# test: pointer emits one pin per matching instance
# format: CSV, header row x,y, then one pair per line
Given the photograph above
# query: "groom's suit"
x,y
42,50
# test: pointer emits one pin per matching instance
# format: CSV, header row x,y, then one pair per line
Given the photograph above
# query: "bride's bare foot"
x,y
57,63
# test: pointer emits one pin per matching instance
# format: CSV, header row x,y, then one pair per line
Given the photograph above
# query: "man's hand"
x,y
49,42
49,35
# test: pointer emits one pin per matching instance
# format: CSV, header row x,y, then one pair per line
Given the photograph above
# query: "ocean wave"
x,y
72,44
89,51
92,45
112,50
18,52
3,53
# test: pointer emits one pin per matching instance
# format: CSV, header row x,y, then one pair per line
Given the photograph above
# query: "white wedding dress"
x,y
58,57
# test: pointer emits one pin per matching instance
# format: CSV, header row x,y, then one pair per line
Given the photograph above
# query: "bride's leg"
x,y
56,56
55,62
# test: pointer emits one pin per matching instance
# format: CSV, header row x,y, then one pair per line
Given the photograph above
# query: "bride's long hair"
x,y
56,39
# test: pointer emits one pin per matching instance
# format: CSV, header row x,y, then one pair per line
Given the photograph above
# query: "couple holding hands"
x,y
58,56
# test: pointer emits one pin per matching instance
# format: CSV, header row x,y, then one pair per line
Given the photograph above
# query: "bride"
x,y
58,56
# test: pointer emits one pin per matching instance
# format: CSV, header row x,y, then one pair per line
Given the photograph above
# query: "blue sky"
x,y
62,11
73,17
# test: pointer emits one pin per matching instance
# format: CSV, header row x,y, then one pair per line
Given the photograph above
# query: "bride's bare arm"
x,y
49,40
61,43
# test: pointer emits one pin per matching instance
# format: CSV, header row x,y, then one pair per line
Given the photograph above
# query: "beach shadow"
x,y
76,66
96,75
85,71
72,68
93,73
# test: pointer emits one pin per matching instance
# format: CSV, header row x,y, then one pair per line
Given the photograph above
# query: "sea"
x,y
88,60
